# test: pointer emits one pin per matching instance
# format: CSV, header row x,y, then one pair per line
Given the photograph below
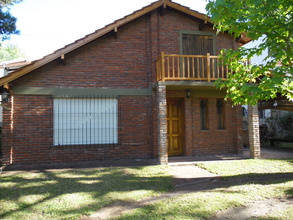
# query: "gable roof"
x,y
98,33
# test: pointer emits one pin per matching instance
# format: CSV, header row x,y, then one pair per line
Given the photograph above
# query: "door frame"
x,y
182,125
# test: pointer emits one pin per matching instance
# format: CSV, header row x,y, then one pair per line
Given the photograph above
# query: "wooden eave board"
x,y
88,38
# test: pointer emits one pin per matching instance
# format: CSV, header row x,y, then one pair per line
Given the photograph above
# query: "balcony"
x,y
203,68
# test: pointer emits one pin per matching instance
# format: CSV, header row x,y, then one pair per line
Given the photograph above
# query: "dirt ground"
x,y
256,209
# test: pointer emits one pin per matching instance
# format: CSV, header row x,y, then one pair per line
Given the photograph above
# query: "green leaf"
x,y
271,20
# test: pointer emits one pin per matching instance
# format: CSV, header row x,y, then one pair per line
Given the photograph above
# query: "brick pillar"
x,y
162,125
253,128
8,132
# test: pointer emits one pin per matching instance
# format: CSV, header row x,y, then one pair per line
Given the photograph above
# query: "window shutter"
x,y
85,121
193,44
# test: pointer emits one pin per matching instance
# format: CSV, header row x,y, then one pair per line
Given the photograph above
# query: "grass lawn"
x,y
243,181
68,194
286,145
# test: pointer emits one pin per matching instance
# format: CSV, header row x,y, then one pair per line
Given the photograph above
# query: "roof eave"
x,y
98,33
78,43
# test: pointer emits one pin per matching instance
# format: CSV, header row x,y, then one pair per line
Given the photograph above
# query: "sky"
x,y
48,25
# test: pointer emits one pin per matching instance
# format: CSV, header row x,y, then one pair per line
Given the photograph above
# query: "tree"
x,y
7,21
10,52
5,3
271,20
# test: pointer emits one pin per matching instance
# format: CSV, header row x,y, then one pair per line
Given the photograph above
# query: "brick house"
x,y
141,87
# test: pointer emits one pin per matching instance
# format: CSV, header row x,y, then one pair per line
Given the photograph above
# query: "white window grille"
x,y
79,121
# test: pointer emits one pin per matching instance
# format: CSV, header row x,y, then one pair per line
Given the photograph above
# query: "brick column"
x,y
253,128
162,125
8,132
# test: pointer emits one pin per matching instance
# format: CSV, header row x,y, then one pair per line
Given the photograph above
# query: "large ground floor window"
x,y
85,121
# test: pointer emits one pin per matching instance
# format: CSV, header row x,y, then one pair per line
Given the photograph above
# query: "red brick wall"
x,y
31,130
135,126
127,61
105,62
32,133
212,141
172,22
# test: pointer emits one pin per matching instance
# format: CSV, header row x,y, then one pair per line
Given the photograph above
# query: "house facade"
x,y
141,87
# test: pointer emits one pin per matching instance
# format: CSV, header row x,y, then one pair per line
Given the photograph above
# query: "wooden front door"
x,y
175,126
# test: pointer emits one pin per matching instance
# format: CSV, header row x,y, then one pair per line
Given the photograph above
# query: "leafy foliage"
x,y
5,3
10,52
7,25
281,126
271,21
7,21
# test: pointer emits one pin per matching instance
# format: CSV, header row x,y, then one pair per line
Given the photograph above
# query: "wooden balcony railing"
x,y
204,68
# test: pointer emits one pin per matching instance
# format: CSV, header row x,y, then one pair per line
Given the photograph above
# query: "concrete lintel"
x,y
75,92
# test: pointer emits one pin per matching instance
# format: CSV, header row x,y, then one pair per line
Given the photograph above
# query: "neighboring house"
x,y
7,67
141,87
263,114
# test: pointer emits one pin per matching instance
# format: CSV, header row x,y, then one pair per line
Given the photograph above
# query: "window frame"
x,y
198,33
221,123
97,125
204,114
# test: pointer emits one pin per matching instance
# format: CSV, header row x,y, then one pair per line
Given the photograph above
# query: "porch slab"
x,y
183,161
266,153
190,174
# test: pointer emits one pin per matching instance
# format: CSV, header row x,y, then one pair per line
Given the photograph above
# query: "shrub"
x,y
281,126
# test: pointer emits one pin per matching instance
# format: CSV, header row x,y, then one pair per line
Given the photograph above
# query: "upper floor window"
x,y
197,43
